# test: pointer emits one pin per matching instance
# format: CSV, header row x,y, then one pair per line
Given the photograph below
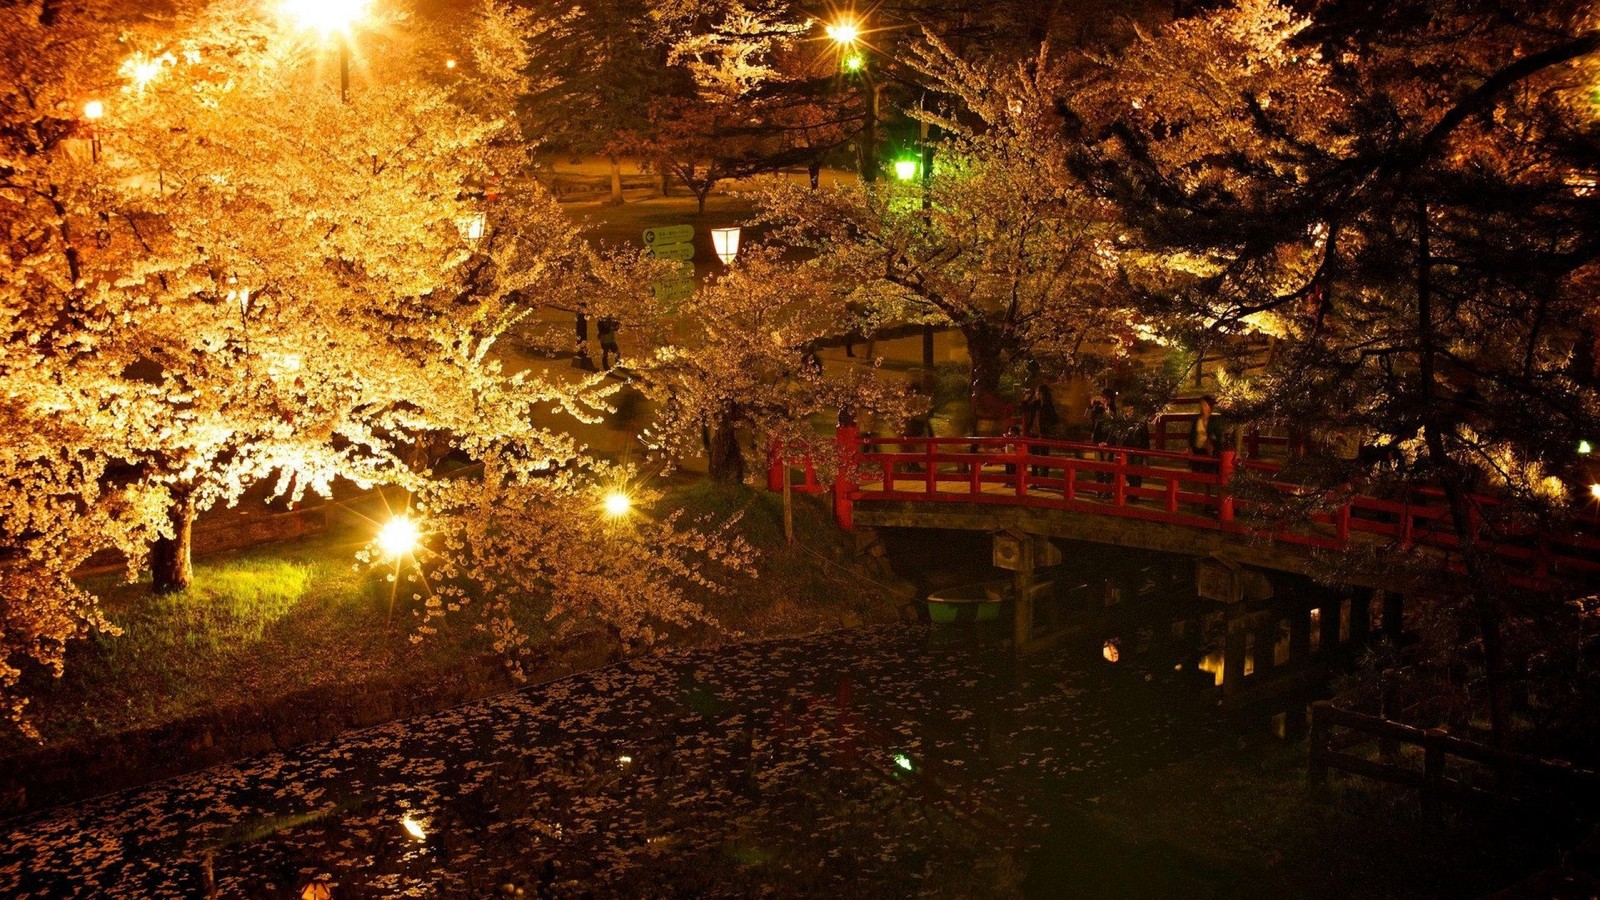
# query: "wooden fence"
x,y
1450,768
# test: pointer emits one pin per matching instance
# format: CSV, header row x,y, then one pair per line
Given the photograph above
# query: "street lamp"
x,y
472,227
725,241
846,34
906,169
398,537
93,112
617,504
327,17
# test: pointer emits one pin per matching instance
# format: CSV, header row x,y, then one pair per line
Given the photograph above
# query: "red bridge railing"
x,y
1159,485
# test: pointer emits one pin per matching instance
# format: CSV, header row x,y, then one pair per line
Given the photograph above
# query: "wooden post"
x,y
1360,615
1432,768
848,438
1394,621
788,509
1330,623
1233,651
1121,495
1388,703
1021,464
1161,433
932,466
1300,636
1317,744
1225,486
1022,620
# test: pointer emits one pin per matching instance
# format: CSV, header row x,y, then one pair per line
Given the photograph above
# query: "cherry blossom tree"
x,y
1000,241
236,279
1403,196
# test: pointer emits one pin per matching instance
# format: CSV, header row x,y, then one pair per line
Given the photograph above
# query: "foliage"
x,y
735,356
1402,196
245,281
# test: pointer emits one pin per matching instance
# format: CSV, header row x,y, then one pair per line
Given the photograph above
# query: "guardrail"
x,y
1502,776
1179,488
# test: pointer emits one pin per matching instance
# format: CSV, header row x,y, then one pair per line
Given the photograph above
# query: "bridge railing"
x,y
1178,488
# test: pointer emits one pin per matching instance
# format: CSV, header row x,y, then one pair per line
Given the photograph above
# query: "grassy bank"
x,y
289,619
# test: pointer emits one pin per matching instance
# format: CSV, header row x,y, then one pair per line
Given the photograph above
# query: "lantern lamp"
x,y
725,241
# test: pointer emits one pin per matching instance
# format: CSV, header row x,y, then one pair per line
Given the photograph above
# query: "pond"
x,y
889,761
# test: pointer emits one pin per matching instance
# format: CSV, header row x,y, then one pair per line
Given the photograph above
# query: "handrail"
x,y
1152,484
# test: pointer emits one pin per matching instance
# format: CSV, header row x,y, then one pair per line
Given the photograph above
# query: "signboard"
x,y
665,290
680,252
668,234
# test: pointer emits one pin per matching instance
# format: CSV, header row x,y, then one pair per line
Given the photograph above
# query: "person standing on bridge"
x,y
1205,440
1040,419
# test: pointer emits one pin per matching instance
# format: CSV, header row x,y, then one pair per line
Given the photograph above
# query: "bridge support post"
x,y
1022,621
1394,622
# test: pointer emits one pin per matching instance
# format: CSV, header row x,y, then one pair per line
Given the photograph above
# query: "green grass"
x,y
267,622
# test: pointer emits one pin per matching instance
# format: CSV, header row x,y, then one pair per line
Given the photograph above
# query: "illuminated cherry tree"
x,y
999,241
228,277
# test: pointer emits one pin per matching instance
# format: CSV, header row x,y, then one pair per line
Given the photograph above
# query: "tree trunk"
x,y
700,200
171,568
987,350
814,172
1485,599
616,179
726,463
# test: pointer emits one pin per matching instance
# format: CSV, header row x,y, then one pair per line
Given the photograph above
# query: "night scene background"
x,y
773,448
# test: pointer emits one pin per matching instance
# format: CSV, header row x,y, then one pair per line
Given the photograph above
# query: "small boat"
x,y
982,601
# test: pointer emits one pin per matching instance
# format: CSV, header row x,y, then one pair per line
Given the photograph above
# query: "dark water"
x,y
886,762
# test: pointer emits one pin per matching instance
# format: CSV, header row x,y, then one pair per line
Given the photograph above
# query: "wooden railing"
x,y
1450,768
1178,488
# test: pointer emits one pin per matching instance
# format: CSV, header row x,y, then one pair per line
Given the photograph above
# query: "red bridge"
x,y
1163,500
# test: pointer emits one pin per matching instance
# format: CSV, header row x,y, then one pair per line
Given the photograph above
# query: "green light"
x,y
906,169
903,761
1585,447
854,62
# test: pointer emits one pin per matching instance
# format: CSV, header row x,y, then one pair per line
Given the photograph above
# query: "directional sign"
x,y
681,252
668,234
671,290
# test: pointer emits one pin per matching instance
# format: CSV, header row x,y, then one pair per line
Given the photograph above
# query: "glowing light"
x,y
94,110
624,760
449,64
142,70
326,16
317,890
617,504
1585,447
414,827
398,537
903,761
1110,651
854,62
472,226
725,241
906,169
844,32
1594,491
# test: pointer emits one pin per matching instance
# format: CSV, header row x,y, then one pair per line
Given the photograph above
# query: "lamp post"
x,y
328,17
93,112
845,35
